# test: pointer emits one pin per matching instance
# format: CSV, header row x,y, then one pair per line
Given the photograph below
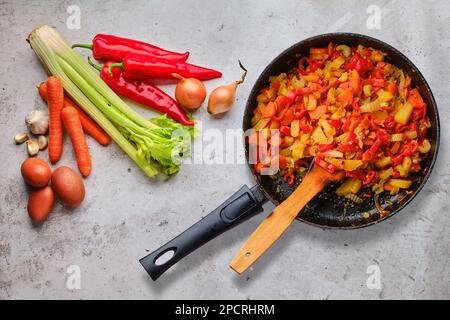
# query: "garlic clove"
x,y
42,142
21,137
32,148
37,121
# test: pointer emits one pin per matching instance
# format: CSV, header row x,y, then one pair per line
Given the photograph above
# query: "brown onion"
x,y
190,92
222,98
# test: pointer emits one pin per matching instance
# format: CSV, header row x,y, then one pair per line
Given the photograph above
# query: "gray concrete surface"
x,y
125,214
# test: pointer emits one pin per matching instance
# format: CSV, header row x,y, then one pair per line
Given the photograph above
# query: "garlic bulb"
x,y
37,121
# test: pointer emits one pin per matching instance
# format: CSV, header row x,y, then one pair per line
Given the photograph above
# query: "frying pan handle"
x,y
242,205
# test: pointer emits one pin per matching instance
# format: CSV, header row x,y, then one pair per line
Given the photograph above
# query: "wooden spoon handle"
x,y
277,222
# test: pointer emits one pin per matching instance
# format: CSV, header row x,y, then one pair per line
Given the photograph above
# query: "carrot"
x,y
89,126
72,123
55,95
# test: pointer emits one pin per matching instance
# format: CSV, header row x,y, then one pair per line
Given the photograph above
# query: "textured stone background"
x,y
125,213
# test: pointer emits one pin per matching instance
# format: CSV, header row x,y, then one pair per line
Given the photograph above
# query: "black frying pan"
x,y
327,210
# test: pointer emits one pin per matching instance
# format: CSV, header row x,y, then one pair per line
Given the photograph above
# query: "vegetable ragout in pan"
x,y
348,109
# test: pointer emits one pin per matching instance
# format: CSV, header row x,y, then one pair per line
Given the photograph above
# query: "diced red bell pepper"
x,y
285,131
281,116
353,60
345,97
300,114
288,117
318,112
415,99
361,65
392,88
269,110
367,52
306,128
282,102
326,147
336,123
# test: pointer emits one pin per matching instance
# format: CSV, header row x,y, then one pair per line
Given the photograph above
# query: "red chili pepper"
x,y
138,67
143,92
326,147
383,137
356,175
322,163
369,177
417,114
353,126
409,148
351,144
291,178
113,48
389,122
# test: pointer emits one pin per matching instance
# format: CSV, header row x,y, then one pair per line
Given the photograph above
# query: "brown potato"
x,y
68,185
36,172
40,203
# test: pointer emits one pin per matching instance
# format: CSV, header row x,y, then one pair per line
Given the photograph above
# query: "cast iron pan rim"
x,y
422,78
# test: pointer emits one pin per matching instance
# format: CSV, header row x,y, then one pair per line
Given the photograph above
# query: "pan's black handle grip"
x,y
242,205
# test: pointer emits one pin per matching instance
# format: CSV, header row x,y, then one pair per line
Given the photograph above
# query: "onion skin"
x,y
190,93
222,98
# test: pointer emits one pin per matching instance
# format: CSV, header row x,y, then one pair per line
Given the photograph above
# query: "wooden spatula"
x,y
282,216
